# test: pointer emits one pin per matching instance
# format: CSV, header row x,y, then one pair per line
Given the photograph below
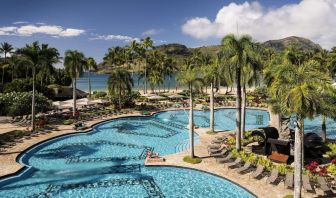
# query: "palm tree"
x,y
120,83
89,66
49,57
146,44
74,63
5,48
323,57
133,50
36,56
212,72
190,77
251,72
296,89
238,52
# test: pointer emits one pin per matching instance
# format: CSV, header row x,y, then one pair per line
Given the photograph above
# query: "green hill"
x,y
179,50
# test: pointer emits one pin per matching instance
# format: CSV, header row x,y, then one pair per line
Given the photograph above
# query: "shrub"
x,y
332,150
19,103
99,94
195,160
68,122
266,163
253,159
211,132
283,168
332,169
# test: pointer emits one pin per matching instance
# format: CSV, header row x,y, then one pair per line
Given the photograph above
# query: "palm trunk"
x,y
168,86
145,77
3,74
74,96
191,124
212,115
243,112
238,111
89,84
324,129
298,157
33,102
119,95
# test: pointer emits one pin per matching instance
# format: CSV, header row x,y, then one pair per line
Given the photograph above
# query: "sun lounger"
x,y
258,172
324,186
214,146
222,160
273,177
244,168
218,141
214,150
219,153
306,183
234,164
289,180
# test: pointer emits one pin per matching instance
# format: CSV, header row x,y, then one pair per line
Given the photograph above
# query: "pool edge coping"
x,y
26,167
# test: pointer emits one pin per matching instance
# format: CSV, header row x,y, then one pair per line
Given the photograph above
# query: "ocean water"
x,y
99,82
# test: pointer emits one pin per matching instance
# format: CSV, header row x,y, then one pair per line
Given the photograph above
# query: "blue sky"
x,y
94,26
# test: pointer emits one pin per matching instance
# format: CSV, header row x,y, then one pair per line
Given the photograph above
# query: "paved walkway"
x,y
259,187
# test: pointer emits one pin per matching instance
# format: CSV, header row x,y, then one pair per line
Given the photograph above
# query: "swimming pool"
x,y
108,162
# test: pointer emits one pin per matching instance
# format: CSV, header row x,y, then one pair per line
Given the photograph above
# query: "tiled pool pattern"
x,y
108,162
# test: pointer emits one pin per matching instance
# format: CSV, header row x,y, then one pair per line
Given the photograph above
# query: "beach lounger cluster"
x,y
225,157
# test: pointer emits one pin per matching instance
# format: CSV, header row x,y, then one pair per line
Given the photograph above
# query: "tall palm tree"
x,y
35,56
323,57
120,83
90,65
74,63
251,73
211,75
238,51
49,57
146,44
134,48
296,89
5,48
190,77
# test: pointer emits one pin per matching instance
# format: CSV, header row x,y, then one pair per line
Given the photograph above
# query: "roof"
x,y
66,92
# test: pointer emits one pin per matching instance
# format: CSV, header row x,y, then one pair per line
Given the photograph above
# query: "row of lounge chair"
x,y
222,155
11,142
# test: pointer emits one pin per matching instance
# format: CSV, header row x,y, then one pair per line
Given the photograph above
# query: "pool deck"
x,y
258,187
9,165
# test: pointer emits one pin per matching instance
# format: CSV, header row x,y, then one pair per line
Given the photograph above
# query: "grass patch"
x,y
211,132
195,160
288,196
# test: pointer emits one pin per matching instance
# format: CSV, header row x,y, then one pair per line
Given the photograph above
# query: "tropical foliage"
x,y
19,103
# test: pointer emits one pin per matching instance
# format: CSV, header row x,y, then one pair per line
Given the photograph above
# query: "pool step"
x,y
182,146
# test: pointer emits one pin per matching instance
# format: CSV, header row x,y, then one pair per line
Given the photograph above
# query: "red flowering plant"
x,y
312,166
333,161
323,171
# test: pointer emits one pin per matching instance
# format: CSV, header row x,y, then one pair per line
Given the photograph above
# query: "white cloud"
x,y
312,19
152,32
29,30
20,22
114,37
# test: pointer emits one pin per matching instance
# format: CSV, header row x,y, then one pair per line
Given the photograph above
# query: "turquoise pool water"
x,y
108,162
